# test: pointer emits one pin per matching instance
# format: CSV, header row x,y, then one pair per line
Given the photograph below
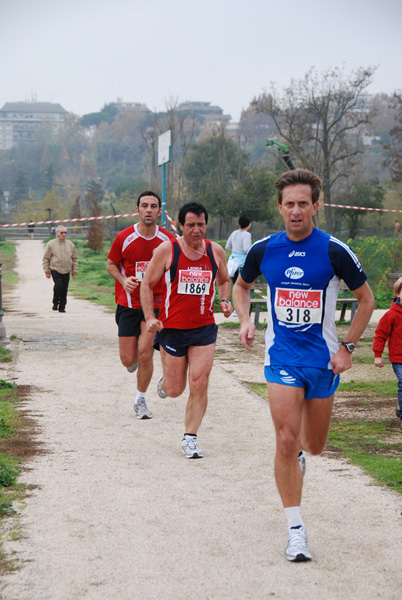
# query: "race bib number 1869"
x,y
194,282
298,307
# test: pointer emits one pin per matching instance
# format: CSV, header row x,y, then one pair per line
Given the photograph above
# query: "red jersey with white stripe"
x,y
133,252
189,291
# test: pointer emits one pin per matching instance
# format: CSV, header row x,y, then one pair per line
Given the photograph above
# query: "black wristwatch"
x,y
349,346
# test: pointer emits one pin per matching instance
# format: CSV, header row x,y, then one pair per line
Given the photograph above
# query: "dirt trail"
x,y
117,512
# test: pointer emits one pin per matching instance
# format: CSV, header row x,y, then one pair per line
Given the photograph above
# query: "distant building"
x,y
203,110
121,105
19,120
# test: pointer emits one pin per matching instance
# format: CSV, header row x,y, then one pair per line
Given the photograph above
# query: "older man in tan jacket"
x,y
59,260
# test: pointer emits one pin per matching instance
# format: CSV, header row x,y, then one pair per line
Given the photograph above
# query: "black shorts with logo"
x,y
176,341
129,320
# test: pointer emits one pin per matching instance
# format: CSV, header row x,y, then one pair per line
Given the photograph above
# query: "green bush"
x,y
379,256
9,470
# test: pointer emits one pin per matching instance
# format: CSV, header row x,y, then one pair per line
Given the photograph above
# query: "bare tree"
x,y
94,195
183,128
394,147
322,117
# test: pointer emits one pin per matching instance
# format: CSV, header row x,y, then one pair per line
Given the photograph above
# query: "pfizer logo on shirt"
x,y
294,273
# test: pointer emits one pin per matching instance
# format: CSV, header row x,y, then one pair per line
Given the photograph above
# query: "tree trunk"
x,y
328,209
327,179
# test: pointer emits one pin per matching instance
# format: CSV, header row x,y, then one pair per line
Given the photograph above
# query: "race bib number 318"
x,y
298,307
195,283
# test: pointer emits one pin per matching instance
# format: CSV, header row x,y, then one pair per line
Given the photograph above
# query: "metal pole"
x,y
2,326
163,194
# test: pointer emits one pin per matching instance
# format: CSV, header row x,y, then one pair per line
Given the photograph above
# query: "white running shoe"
x,y
189,447
159,388
133,367
141,410
302,462
297,550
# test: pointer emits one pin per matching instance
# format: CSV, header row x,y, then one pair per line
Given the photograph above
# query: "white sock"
x,y
138,396
294,517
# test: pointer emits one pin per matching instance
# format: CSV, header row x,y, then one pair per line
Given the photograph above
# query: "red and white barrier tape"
x,y
81,219
392,210
76,220
171,221
261,294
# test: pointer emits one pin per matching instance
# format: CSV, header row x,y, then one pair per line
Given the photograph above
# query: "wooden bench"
x,y
391,278
346,302
256,301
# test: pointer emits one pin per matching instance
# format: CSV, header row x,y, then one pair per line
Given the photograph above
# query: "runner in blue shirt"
x,y
303,267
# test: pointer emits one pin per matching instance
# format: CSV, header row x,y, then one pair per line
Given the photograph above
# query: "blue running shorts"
x,y
176,341
317,383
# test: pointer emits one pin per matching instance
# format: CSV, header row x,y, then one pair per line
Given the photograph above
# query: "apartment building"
x,y
19,120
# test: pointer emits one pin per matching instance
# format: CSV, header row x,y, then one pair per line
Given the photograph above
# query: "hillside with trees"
x,y
328,121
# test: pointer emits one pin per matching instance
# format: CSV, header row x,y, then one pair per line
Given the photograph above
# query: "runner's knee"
x,y
146,354
173,388
198,382
314,445
288,442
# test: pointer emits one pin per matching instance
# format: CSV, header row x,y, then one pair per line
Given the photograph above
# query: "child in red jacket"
x,y
390,328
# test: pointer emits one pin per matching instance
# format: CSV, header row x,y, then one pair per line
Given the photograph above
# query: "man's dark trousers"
x,y
61,281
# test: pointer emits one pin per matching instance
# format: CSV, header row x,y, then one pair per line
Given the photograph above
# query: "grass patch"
x,y
236,325
363,359
10,465
9,471
98,295
11,437
379,388
93,282
5,355
230,325
7,257
385,469
9,424
366,444
259,388
10,417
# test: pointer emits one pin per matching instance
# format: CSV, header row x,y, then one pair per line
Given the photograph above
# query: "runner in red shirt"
x,y
186,329
127,262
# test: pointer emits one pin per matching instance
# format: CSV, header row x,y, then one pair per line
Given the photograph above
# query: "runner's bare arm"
x,y
342,360
156,268
241,300
223,280
129,283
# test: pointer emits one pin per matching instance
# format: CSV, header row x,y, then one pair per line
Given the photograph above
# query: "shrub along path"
x,y
116,511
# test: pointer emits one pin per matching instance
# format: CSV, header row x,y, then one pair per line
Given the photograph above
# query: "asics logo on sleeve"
x,y
294,253
294,273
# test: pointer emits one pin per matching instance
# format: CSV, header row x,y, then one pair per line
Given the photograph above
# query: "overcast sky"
x,y
85,53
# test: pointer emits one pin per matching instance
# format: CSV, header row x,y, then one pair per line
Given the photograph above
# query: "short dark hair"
x,y
244,221
297,176
194,207
149,193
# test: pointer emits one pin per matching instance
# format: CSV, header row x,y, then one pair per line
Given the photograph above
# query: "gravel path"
x,y
116,511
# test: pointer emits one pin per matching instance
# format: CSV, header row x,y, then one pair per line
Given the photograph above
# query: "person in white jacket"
x,y
239,242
